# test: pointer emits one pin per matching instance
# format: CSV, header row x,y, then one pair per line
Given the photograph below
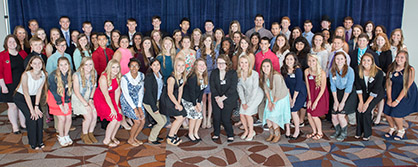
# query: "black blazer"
x,y
192,91
374,88
385,59
353,55
229,89
30,55
151,91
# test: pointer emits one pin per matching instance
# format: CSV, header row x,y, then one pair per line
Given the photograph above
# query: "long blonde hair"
x,y
59,81
82,73
195,72
171,52
318,70
250,71
183,75
406,72
108,72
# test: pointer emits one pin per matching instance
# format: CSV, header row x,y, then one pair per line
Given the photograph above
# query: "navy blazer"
x,y
374,88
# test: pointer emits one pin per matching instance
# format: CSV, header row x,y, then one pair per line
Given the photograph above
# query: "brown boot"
x,y
92,138
85,138
276,135
271,134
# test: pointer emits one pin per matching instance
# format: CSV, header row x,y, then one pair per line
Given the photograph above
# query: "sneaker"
x,y
258,123
68,139
62,141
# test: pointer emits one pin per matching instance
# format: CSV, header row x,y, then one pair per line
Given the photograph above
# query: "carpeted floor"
x,y
379,151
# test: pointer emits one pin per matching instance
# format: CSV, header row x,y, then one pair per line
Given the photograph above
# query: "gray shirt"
x,y
263,33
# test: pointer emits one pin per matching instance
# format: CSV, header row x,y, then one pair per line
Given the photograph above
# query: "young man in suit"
x,y
356,54
156,24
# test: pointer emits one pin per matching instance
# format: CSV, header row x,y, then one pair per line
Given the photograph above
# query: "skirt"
x,y
78,107
54,109
191,110
280,114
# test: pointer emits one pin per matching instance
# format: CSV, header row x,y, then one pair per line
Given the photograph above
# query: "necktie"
x,y
346,36
67,38
107,58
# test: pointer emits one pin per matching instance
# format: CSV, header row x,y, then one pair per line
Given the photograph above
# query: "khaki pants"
x,y
160,119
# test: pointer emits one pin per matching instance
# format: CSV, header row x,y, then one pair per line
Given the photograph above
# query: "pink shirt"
x,y
124,61
259,57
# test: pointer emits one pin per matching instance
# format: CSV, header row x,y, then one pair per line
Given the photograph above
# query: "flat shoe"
x,y
17,132
110,144
116,141
135,144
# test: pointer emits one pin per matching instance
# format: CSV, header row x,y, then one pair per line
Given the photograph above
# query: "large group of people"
x,y
354,74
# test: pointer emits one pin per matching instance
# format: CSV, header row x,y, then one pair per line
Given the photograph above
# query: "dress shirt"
x,y
259,57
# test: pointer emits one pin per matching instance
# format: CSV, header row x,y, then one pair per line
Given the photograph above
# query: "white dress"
x,y
250,93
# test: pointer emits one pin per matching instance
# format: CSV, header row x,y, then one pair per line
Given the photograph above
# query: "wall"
x,y
409,28
3,29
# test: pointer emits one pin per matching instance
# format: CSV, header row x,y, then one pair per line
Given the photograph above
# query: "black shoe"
x,y
198,139
287,137
34,147
229,140
154,142
194,141
159,139
294,138
22,128
17,132
42,145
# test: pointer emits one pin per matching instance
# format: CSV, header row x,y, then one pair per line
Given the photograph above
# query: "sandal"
x,y
318,136
390,133
172,141
110,144
116,141
135,144
178,138
400,134
310,135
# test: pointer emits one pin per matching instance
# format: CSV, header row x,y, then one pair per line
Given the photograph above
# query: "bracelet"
x,y
397,100
36,105
90,98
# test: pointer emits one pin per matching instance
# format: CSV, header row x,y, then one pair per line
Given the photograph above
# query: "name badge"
x,y
110,88
371,79
292,76
66,85
223,82
334,78
181,81
203,86
310,77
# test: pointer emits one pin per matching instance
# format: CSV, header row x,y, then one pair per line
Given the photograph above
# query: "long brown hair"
x,y
18,47
334,67
277,48
79,45
171,52
400,44
270,77
406,72
29,68
151,50
212,49
196,72
228,62
373,69
285,69
59,81
25,41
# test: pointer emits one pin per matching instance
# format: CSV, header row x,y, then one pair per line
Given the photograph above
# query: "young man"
x,y
33,26
325,23
184,26
108,27
275,30
307,26
356,54
209,26
259,23
266,53
348,23
156,24
101,55
87,29
52,63
36,46
285,23
131,24
65,28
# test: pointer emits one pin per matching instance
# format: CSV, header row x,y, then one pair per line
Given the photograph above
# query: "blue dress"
x,y
168,69
281,111
135,93
408,104
210,65
295,83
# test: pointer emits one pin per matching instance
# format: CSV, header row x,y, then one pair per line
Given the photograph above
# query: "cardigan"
x,y
279,87
5,65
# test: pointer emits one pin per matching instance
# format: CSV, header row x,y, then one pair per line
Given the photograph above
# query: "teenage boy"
x,y
184,26
156,24
65,28
108,27
87,29
285,23
356,54
275,30
101,55
348,23
52,63
209,26
307,26
33,26
258,27
266,53
36,46
131,24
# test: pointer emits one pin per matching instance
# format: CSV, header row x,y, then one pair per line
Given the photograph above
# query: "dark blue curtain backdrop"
x,y
222,12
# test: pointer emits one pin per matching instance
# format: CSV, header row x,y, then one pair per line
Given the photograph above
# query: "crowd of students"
x,y
354,74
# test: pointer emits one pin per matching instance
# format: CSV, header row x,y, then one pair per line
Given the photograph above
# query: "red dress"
x,y
102,108
323,103
54,109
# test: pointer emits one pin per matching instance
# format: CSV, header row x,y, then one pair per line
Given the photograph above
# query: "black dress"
x,y
167,106
17,67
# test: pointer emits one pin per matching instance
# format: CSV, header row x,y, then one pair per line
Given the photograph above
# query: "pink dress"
x,y
322,107
102,108
124,61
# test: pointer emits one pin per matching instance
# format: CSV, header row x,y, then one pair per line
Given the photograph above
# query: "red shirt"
x,y
259,57
99,59
6,67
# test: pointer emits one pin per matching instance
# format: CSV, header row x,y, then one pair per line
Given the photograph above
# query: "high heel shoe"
x,y
250,138
243,136
390,133
400,135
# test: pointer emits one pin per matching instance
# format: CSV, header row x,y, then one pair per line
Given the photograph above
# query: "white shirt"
x,y
33,85
139,80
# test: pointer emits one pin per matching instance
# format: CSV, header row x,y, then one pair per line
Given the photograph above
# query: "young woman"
x,y
146,54
236,38
301,48
171,100
166,57
339,31
396,42
381,46
59,102
234,26
352,43
281,48
153,86
123,54
370,92
94,43
219,35
177,37
22,37
318,48
136,43
27,99
186,53
156,41
223,86
228,49
293,77
295,33
327,39
345,101
401,92
82,50
106,99
197,82
317,103
379,29
54,34
209,54
84,86
255,43
277,110
245,49
11,62
196,39
250,95
369,30
41,34
132,86
114,42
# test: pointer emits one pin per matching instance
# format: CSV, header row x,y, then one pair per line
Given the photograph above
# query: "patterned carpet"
x,y
379,151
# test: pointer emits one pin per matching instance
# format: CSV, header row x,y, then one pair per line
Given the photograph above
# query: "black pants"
x,y
222,116
364,120
34,127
